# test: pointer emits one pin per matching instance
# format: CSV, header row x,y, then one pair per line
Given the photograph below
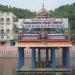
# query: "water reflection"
x,y
67,73
20,73
8,67
43,73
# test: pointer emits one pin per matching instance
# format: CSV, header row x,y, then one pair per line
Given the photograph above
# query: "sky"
x,y
35,5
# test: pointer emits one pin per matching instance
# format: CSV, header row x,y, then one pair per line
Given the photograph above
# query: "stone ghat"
x,y
8,51
11,51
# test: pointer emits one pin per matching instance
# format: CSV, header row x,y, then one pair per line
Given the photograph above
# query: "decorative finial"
x,y
43,5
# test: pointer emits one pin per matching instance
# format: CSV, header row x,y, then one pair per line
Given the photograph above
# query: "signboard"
x,y
46,23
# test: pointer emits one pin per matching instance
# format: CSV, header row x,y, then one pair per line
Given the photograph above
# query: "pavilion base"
x,y
43,70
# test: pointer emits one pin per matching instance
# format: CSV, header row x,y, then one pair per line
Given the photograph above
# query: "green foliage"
x,y
67,11
20,13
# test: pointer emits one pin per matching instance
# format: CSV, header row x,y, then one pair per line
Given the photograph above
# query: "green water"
x,y
8,67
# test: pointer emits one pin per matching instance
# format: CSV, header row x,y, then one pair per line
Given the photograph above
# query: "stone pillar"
x,y
66,57
47,56
53,58
20,61
39,56
63,56
33,58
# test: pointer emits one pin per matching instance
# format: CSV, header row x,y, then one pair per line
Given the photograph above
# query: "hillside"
x,y
20,13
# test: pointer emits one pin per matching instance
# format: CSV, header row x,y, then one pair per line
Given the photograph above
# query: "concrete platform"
x,y
43,70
